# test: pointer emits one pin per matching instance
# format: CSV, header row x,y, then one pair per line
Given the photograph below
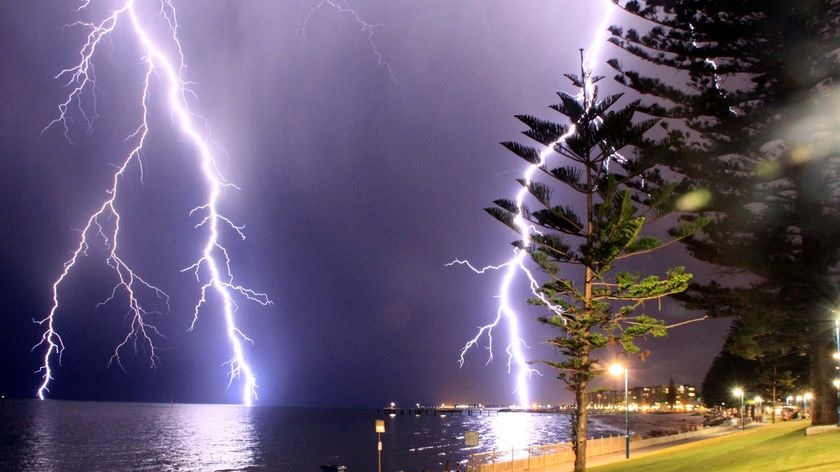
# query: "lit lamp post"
x,y
805,399
836,383
740,394
617,369
798,400
380,428
837,357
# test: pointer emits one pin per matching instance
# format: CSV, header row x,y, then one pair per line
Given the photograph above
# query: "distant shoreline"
x,y
647,425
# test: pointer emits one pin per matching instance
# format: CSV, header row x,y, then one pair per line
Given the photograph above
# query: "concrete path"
x,y
619,456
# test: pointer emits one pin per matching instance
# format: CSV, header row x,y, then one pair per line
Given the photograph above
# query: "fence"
x,y
538,457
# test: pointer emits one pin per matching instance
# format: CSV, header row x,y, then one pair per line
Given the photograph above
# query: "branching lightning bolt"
x,y
717,83
517,262
213,268
368,28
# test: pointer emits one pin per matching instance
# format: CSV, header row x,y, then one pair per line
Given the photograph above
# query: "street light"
x,y
380,428
617,369
837,356
837,337
740,394
805,399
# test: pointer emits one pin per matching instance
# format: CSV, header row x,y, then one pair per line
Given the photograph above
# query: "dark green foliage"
x,y
612,198
754,114
765,352
672,393
727,372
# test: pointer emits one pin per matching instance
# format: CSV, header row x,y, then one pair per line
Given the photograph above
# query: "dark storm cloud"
x,y
355,193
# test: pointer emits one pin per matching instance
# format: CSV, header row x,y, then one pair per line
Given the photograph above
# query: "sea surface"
x,y
64,436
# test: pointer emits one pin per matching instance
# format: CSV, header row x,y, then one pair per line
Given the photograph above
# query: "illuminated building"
x,y
649,398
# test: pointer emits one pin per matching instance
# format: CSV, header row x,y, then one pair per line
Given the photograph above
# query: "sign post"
x,y
471,440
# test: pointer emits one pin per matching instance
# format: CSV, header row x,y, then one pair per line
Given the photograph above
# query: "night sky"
x,y
356,189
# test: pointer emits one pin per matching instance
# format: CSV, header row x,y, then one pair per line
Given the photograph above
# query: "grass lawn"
x,y
782,447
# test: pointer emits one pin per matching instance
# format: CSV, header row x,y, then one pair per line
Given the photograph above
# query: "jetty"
x,y
463,410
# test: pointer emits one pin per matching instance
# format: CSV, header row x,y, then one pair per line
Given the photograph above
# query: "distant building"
x,y
652,398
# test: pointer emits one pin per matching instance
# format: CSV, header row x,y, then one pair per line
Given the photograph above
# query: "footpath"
x,y
603,459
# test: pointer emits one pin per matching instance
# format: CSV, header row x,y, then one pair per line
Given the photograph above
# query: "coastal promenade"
x,y
601,451
641,449
782,447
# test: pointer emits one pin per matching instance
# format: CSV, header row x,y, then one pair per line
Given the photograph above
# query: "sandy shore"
x,y
648,425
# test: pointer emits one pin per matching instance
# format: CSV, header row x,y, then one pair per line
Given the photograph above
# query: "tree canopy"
x,y
606,173
753,110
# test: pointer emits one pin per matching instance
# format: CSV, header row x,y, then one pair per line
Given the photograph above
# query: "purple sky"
x,y
356,189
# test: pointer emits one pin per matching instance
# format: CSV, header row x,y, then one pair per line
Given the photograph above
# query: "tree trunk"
x,y
824,403
580,426
814,287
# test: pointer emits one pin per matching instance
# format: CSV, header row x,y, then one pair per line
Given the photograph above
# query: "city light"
x,y
805,398
617,370
738,392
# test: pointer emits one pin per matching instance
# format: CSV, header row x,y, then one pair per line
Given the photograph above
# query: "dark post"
x,y
626,418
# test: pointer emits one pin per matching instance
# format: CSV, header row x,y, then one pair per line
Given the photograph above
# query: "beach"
x,y
646,425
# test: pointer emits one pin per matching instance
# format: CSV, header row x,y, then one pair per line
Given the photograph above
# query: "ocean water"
x,y
63,436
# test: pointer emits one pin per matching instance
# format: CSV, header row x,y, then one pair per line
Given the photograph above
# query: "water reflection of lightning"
x,y
517,262
212,269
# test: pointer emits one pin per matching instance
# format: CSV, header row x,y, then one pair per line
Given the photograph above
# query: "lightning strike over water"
x,y
517,262
163,61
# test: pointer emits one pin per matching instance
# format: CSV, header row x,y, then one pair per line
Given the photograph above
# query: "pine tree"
x,y
614,189
756,120
672,394
759,357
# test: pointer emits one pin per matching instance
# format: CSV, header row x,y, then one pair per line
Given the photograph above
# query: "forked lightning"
x,y
518,261
163,61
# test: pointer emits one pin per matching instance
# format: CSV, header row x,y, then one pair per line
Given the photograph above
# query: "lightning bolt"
x,y
517,262
367,28
164,60
717,82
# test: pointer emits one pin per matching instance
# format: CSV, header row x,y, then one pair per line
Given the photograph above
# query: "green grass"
x,y
782,447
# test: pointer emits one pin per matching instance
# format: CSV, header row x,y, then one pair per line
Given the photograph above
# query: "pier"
x,y
462,411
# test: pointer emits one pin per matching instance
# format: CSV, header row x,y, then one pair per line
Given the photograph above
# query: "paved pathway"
x,y
619,456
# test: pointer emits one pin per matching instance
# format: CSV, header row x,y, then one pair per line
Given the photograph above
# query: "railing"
x,y
538,457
